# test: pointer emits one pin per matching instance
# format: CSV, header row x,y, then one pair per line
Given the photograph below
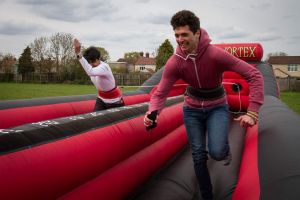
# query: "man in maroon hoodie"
x,y
205,109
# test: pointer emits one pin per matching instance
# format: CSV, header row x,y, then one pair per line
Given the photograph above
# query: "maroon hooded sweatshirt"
x,y
205,70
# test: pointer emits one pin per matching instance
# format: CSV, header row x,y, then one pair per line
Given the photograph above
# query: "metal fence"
x,y
124,79
288,84
129,79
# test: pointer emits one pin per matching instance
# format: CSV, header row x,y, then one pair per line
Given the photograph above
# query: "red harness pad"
x,y
112,94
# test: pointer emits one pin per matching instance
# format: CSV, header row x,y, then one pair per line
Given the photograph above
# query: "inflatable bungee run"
x,y
57,148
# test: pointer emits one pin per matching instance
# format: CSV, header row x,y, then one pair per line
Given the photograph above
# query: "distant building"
x,y
284,66
140,64
118,66
129,63
145,64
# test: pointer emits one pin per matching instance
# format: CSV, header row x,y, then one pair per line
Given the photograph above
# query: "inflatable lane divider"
x,y
270,84
248,186
7,104
278,151
17,116
18,112
50,170
121,180
33,134
33,111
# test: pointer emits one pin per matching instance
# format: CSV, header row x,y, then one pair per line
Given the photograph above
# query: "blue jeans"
x,y
215,122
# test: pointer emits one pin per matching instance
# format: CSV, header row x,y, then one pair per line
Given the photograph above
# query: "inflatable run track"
x,y
57,148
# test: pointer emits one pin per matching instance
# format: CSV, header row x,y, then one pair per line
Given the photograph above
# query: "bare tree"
x,y
39,52
7,63
61,49
1,60
55,49
276,54
66,42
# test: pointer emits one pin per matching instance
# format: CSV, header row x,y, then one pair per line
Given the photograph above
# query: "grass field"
x,y
10,91
292,99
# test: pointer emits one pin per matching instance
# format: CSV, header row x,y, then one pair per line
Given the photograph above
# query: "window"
x,y
292,68
142,68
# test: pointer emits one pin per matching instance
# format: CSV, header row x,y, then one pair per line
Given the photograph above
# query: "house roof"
x,y
127,60
284,60
282,72
145,61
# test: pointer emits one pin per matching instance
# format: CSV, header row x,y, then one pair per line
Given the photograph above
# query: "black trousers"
x,y
101,105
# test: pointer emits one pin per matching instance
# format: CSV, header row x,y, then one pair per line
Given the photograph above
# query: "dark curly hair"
x,y
92,54
185,17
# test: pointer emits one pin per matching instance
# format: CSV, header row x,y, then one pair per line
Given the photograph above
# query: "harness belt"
x,y
111,94
205,94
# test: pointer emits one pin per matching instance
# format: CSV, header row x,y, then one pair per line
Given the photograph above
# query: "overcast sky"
x,y
142,25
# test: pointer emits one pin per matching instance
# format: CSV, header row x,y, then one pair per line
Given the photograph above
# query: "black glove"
x,y
152,116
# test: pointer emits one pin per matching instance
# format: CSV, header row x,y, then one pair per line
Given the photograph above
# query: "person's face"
x,y
186,39
94,63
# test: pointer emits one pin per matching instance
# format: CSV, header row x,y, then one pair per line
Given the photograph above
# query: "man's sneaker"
x,y
228,159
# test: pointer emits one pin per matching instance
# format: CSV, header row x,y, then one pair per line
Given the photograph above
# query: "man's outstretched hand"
x,y
245,121
150,119
77,46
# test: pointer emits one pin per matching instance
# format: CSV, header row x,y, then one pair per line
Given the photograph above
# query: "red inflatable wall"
x,y
105,163
53,169
236,87
248,186
115,184
18,116
244,51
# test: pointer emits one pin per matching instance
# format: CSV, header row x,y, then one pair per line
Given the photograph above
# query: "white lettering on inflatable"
x,y
74,118
45,123
241,52
6,131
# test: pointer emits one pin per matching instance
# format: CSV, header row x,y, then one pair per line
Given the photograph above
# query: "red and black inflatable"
x,y
56,148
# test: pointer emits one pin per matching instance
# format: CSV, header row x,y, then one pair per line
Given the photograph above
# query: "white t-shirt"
x,y
101,76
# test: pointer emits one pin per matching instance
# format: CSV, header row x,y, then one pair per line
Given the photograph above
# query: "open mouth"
x,y
183,45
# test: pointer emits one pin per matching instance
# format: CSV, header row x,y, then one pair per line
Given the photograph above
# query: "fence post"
x,y
139,78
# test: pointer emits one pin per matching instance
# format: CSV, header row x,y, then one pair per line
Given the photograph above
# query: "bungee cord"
x,y
184,84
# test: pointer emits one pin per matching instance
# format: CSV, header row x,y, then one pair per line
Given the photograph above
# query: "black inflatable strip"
x,y
53,100
278,151
270,84
177,180
33,134
149,84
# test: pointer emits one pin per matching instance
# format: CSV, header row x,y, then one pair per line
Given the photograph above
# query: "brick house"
x,y
145,64
140,64
129,63
285,66
119,66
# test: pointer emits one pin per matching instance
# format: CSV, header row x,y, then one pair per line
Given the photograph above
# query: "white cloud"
x,y
142,25
20,28
266,36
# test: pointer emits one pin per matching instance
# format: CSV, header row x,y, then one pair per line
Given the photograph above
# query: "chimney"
x,y
142,54
147,55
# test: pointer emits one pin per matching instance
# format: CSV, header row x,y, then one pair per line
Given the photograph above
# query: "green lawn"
x,y
10,91
292,99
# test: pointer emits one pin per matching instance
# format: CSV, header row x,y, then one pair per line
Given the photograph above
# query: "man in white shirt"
x,y
109,94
